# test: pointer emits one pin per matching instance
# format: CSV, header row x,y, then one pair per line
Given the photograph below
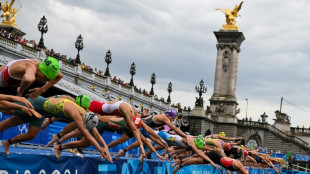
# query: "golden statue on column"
x,y
9,13
231,16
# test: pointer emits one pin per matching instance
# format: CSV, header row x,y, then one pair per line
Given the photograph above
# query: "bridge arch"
x,y
253,137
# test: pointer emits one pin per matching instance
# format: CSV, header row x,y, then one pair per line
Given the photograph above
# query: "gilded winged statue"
x,y
231,15
7,10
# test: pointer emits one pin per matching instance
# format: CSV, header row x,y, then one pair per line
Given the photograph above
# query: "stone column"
x,y
223,103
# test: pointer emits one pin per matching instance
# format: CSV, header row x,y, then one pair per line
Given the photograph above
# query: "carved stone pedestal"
x,y
198,111
282,121
285,127
223,103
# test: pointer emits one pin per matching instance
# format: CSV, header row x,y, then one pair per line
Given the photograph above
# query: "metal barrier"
x,y
296,168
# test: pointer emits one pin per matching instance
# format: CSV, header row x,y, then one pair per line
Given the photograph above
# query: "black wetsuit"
x,y
233,151
217,159
150,122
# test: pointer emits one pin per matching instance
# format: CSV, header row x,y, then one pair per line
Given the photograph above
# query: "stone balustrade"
x,y
285,135
77,80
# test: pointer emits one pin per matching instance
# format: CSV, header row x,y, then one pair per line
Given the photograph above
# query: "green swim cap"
x,y
49,67
83,100
199,142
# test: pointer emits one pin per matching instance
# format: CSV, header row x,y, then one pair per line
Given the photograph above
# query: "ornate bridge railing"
x,y
77,80
276,131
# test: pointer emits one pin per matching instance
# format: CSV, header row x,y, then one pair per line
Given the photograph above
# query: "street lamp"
x,y
169,89
153,81
79,46
108,60
200,89
132,72
43,29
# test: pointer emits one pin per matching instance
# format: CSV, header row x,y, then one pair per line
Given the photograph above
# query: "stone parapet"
x,y
77,81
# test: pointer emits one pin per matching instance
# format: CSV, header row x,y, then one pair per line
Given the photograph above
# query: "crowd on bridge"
x,y
17,38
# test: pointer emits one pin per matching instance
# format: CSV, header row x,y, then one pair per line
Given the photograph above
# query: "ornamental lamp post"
x,y
153,81
247,104
43,29
108,60
132,72
200,89
79,46
169,89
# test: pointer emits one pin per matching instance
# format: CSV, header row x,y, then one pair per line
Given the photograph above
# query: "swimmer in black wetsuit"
x,y
227,163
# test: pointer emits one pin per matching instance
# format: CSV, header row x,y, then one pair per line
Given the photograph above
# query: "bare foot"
x,y
54,139
6,147
45,124
119,154
141,158
176,169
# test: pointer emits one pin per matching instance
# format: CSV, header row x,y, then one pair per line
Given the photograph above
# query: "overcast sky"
x,y
175,40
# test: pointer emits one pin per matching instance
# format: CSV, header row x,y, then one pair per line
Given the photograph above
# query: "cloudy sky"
x,y
175,40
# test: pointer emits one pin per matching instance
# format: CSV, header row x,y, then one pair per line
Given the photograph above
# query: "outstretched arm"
x,y
16,99
105,148
128,112
236,143
35,92
79,123
8,108
152,133
149,145
251,159
175,129
210,148
190,142
159,142
153,150
229,138
27,80
136,134
269,163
